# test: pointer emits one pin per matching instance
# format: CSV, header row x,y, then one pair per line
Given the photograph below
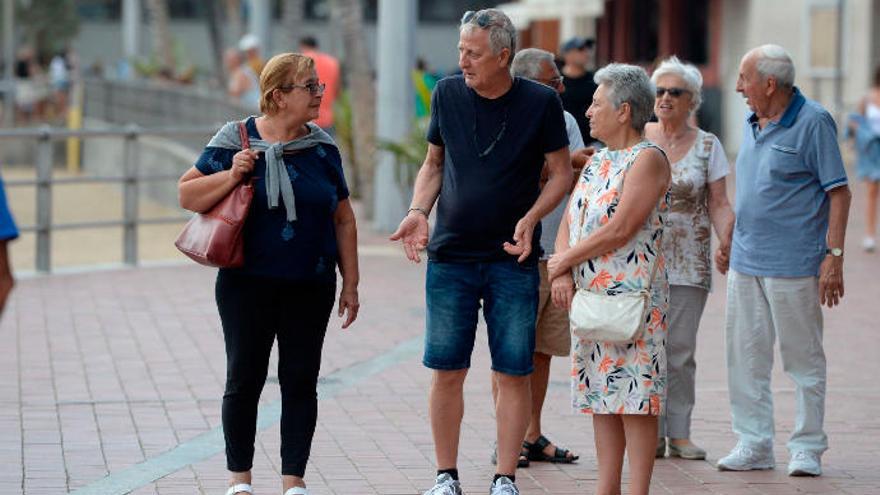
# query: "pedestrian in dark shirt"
x,y
578,80
489,136
299,228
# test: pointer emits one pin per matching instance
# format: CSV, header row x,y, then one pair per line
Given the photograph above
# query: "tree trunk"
x,y
158,10
291,22
358,71
213,16
233,18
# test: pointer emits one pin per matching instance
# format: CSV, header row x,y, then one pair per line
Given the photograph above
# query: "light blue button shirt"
x,y
783,174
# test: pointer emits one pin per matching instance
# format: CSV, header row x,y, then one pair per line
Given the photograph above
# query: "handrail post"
x,y
44,200
130,196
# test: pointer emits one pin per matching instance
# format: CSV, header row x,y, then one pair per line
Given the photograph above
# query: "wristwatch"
x,y
836,252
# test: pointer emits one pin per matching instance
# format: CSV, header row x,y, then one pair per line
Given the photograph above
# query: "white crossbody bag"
x,y
605,318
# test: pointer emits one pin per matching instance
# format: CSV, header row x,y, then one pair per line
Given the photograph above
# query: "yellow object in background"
x,y
74,122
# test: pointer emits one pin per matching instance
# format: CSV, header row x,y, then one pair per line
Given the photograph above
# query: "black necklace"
x,y
498,136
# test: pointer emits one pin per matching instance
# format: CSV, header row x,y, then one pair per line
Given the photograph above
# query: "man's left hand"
x,y
522,240
557,265
831,281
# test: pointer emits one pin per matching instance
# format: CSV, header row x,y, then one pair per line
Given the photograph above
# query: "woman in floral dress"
x,y
609,242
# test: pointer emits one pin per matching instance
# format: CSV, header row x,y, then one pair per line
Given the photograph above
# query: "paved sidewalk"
x,y
111,382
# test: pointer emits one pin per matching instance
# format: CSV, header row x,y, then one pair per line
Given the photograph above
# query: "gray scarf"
x,y
277,180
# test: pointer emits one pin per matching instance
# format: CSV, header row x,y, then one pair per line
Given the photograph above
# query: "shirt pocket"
x,y
785,161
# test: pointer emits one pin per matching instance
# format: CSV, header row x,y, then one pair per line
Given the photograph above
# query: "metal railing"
x,y
153,104
130,179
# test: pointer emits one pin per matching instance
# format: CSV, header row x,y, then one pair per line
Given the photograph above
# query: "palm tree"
x,y
233,17
158,10
348,16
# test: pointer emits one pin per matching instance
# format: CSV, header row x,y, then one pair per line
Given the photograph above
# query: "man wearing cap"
x,y
579,84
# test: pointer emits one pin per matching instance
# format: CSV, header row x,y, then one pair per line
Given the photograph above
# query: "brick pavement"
x,y
108,371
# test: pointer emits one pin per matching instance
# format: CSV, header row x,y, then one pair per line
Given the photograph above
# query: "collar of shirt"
x,y
788,117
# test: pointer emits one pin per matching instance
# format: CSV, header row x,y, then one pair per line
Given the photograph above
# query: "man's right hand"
x,y
413,233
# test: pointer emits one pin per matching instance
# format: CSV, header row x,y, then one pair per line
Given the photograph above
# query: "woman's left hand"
x,y
562,292
557,265
348,302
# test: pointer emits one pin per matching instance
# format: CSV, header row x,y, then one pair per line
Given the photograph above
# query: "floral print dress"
x,y
628,378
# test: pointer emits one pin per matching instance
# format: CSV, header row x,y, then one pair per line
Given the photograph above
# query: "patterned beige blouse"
x,y
688,233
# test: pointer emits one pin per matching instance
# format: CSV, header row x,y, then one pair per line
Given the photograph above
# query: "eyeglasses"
x,y
552,82
312,87
673,92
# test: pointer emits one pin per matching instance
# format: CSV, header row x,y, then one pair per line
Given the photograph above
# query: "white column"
x,y
394,111
259,23
131,28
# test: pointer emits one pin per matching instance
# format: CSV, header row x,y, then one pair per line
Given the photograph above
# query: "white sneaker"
x,y
503,486
868,244
744,458
805,463
445,485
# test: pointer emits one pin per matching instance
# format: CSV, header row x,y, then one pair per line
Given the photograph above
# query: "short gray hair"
x,y
774,61
528,63
502,34
629,84
688,73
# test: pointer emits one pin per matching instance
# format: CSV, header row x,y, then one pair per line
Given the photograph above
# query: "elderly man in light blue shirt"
x,y
786,260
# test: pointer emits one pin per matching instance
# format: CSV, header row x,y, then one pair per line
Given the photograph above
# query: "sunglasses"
x,y
673,92
312,87
483,20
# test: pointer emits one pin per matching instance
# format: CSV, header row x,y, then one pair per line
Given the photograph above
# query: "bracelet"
x,y
418,209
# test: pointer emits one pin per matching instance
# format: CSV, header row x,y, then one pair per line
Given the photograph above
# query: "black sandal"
x,y
523,460
536,452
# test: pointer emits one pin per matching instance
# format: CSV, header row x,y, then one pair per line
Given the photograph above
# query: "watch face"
x,y
836,252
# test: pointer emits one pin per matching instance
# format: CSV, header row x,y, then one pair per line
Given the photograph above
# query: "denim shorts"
x,y
508,292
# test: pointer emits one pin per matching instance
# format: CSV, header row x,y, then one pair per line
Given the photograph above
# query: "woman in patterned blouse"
x,y
698,201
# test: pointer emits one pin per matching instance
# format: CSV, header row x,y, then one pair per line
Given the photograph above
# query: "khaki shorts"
x,y
552,334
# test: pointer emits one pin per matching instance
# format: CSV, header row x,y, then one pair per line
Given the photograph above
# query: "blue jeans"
x,y
509,295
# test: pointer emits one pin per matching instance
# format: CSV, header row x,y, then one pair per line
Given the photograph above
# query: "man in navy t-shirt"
x,y
489,137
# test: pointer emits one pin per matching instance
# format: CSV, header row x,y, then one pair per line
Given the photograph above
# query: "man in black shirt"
x,y
488,139
579,84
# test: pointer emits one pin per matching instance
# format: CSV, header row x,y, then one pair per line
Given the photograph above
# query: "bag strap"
x,y
243,134
580,230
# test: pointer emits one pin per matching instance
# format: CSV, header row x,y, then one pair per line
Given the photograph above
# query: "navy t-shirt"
x,y
304,249
482,198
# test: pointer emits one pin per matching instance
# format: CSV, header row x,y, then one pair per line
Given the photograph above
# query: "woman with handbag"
x,y
300,226
698,201
609,246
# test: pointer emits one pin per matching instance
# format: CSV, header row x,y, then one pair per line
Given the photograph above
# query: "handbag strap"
x,y
243,134
581,225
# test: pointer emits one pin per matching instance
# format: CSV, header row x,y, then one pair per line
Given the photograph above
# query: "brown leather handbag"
x,y
215,238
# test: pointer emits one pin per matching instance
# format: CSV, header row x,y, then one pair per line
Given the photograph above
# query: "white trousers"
x,y
759,310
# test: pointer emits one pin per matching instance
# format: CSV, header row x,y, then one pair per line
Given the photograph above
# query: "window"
x,y
822,37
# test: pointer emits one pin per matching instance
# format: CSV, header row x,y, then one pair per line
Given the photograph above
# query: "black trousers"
x,y
254,311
